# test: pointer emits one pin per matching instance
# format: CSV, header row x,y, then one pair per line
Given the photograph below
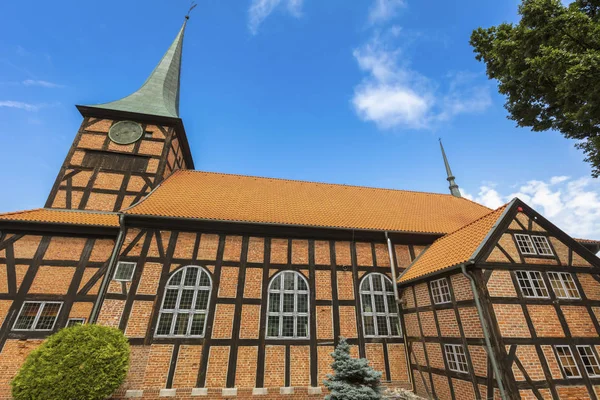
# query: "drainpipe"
x,y
109,271
398,305
484,327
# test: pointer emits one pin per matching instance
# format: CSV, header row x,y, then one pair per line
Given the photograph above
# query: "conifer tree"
x,y
353,378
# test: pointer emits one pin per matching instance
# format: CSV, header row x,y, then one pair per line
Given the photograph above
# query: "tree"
x,y
83,362
548,66
353,378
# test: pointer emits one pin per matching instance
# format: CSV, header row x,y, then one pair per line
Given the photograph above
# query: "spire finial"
x,y
192,6
453,186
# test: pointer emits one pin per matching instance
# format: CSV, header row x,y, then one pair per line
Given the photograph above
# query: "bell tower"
x,y
125,148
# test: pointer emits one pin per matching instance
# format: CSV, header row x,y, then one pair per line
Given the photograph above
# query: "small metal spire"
x,y
159,95
453,186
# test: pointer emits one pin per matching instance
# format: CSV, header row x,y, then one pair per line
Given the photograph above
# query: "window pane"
x,y
302,303
202,300
176,279
302,327
204,279
187,298
525,244
302,284
377,283
379,303
288,302
365,286
369,325
164,324
541,245
388,286
273,326
276,284
27,315
48,316
181,324
191,276
274,302
391,302
589,360
197,328
124,271
395,326
170,299
288,280
366,303
288,326
382,329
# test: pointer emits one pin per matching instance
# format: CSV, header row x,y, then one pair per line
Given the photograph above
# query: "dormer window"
x,y
533,245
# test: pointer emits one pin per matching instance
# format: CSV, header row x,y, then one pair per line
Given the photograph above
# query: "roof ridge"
x,y
327,183
21,211
77,211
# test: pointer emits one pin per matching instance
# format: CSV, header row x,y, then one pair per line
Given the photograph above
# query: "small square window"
x,y
456,358
590,362
440,291
37,316
75,321
124,271
567,361
148,135
563,285
525,244
532,284
542,246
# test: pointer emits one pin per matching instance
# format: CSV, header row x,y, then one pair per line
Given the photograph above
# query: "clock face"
x,y
125,132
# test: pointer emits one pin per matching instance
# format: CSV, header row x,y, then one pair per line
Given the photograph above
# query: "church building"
x,y
239,287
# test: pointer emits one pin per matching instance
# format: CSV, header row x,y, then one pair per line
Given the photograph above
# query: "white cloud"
x,y
46,84
261,9
392,95
19,104
571,204
383,10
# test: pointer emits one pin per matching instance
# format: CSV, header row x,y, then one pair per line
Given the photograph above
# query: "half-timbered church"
x,y
232,286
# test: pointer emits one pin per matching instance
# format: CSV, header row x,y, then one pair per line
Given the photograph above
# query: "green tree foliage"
x,y
353,378
548,66
84,362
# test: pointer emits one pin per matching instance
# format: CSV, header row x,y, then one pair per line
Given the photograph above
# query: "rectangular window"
x,y
37,316
589,360
124,271
542,246
532,284
148,134
456,358
563,285
525,244
440,291
75,321
567,361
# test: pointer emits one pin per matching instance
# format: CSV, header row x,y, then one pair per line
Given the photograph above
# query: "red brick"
x,y
218,363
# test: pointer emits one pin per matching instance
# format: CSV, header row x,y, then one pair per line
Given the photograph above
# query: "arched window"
x,y
379,310
185,303
287,307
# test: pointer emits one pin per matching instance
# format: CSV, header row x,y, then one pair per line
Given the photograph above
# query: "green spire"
x,y
159,95
453,186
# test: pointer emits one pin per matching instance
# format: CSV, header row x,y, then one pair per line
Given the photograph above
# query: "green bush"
x,y
83,362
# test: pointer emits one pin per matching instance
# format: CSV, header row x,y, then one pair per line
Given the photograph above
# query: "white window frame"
x,y
295,314
440,291
37,317
524,243
563,279
528,277
542,245
73,321
180,287
563,358
589,356
122,264
456,358
370,291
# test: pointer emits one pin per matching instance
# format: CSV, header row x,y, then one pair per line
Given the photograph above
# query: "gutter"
x,y
109,271
484,327
397,298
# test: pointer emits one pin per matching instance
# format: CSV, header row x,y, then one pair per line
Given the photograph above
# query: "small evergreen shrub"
x,y
353,378
83,362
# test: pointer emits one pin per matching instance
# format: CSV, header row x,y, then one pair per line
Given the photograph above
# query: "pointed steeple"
x,y
453,186
159,95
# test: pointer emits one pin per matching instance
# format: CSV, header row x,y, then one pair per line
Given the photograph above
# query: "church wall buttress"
x,y
99,174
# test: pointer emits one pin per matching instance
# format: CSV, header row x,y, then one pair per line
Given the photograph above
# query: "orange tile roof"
x,y
453,249
224,197
71,217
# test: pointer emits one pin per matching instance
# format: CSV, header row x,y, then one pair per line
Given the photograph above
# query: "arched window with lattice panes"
x,y
287,308
378,307
185,303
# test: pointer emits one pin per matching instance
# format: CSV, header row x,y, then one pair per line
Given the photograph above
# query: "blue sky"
x,y
325,90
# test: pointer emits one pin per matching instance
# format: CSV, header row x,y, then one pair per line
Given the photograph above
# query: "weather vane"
x,y
192,6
